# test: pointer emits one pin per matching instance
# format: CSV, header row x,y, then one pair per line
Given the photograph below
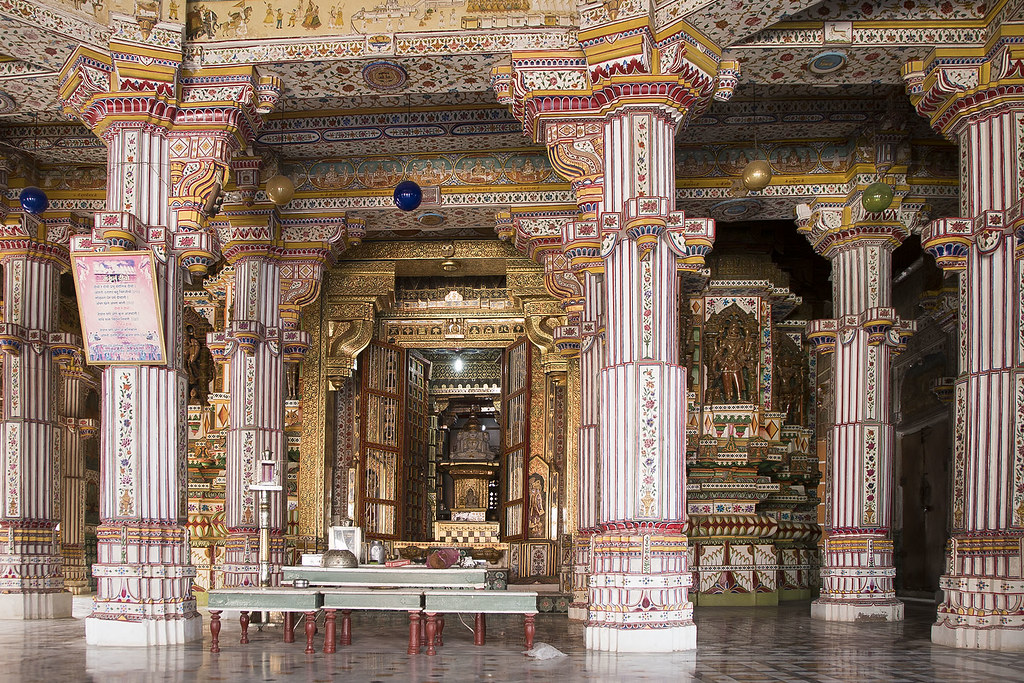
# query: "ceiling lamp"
x,y
757,174
876,197
408,195
33,200
280,189
457,364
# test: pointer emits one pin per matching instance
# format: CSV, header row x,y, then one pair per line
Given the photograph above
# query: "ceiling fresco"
x,y
376,91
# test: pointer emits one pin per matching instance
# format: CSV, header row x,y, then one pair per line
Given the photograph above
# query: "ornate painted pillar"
x,y
78,430
252,345
136,97
858,572
613,114
31,581
974,99
277,270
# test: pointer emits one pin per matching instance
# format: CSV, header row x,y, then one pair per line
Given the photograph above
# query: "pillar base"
x,y
143,633
577,612
35,605
859,611
735,599
672,639
1007,640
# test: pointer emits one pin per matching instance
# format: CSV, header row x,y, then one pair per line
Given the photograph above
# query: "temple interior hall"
x,y
409,339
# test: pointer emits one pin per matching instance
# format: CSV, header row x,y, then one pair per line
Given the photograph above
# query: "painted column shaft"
x,y
143,571
638,587
72,519
30,566
256,422
983,586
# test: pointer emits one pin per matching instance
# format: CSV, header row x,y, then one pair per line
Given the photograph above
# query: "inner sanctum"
x,y
599,318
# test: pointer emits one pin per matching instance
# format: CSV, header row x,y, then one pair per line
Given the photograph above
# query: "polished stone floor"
x,y
734,644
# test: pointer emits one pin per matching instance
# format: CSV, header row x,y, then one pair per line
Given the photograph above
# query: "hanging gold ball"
x,y
757,174
280,189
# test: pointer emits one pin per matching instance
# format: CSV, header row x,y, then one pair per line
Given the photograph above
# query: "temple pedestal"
x,y
171,631
55,605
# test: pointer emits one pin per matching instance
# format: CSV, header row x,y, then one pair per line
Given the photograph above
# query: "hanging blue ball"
x,y
408,195
33,200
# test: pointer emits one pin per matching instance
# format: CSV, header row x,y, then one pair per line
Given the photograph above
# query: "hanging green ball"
x,y
876,197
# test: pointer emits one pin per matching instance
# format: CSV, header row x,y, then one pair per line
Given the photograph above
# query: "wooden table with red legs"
x,y
480,603
247,600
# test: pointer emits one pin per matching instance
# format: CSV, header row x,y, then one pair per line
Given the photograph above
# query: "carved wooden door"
x,y
417,424
382,436
515,437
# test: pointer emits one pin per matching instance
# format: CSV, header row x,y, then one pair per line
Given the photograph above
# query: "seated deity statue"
x,y
471,443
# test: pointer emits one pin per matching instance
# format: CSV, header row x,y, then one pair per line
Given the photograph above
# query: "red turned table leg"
x,y
329,631
423,630
440,630
414,633
215,630
530,630
479,629
431,632
346,627
289,627
310,631
243,621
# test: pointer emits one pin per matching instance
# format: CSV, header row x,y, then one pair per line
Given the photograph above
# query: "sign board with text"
x,y
119,301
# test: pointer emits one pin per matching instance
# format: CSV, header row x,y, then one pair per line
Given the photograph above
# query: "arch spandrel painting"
x,y
208,20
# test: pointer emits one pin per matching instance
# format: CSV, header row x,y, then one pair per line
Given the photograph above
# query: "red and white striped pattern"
x,y
30,430
984,594
256,422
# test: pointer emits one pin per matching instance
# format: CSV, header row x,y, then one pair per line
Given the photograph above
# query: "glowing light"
x,y
458,364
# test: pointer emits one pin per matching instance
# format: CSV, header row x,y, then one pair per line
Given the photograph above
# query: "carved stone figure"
x,y
731,356
790,379
471,443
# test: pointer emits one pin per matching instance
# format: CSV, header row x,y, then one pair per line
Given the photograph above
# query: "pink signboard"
x,y
119,303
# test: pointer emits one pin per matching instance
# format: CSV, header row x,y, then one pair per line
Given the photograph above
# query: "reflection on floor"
x,y
734,644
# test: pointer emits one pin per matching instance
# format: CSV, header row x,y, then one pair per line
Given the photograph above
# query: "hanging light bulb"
x,y
757,175
280,189
458,364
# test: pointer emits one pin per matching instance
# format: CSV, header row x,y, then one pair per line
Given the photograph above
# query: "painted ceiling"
x,y
379,90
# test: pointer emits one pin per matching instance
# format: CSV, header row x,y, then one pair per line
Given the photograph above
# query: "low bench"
x,y
246,600
480,603
394,577
346,600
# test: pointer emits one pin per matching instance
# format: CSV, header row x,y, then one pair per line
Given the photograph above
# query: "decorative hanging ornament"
x,y
876,197
408,195
33,200
757,174
280,189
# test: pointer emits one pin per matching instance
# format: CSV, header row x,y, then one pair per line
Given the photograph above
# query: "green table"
x,y
246,600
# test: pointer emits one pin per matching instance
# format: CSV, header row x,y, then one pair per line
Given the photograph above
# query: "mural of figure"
x,y
312,16
280,17
172,10
537,506
293,16
269,18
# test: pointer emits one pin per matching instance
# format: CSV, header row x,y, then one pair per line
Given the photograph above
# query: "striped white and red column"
x,y
143,570
77,430
983,587
858,574
639,584
256,423
31,580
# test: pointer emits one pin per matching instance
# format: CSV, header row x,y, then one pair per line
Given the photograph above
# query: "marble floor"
x,y
734,644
